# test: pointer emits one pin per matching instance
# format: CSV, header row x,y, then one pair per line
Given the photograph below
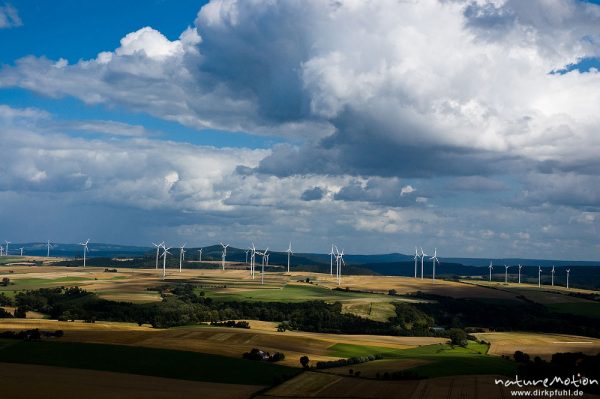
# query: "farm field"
x,y
168,363
588,309
538,344
435,360
546,295
408,285
139,285
224,341
320,385
24,381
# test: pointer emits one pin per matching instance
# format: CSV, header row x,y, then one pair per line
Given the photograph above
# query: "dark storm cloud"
x,y
312,194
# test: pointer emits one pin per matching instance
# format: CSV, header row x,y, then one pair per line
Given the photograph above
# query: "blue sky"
x,y
76,30
375,126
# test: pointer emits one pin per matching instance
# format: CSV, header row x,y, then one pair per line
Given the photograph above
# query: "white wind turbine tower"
x,y
339,260
1,250
289,252
85,249
158,247
553,275
21,249
520,267
434,259
539,276
416,260
48,246
423,255
6,247
491,268
181,256
247,255
331,261
568,271
262,273
200,255
164,255
252,260
506,274
224,254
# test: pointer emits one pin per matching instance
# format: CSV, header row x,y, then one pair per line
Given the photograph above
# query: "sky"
x,y
470,126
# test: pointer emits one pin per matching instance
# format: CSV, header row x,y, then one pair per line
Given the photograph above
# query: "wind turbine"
x,y
21,249
262,273
85,249
520,267
423,255
164,255
247,255
252,260
200,255
416,259
491,268
506,274
158,247
553,275
49,246
568,271
181,256
339,260
434,259
331,261
1,250
224,254
6,248
289,252
539,276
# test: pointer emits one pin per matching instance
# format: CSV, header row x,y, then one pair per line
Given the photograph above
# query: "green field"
x,y
588,309
145,361
288,293
444,360
36,283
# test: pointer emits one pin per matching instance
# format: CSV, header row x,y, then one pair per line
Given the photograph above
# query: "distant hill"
x,y
96,250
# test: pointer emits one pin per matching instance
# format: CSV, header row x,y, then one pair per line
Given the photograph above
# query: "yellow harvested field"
x,y
217,340
371,308
407,285
24,381
538,344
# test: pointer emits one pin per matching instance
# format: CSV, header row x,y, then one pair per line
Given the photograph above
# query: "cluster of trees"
x,y
347,362
182,305
458,337
5,281
5,300
504,315
259,355
231,323
31,335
